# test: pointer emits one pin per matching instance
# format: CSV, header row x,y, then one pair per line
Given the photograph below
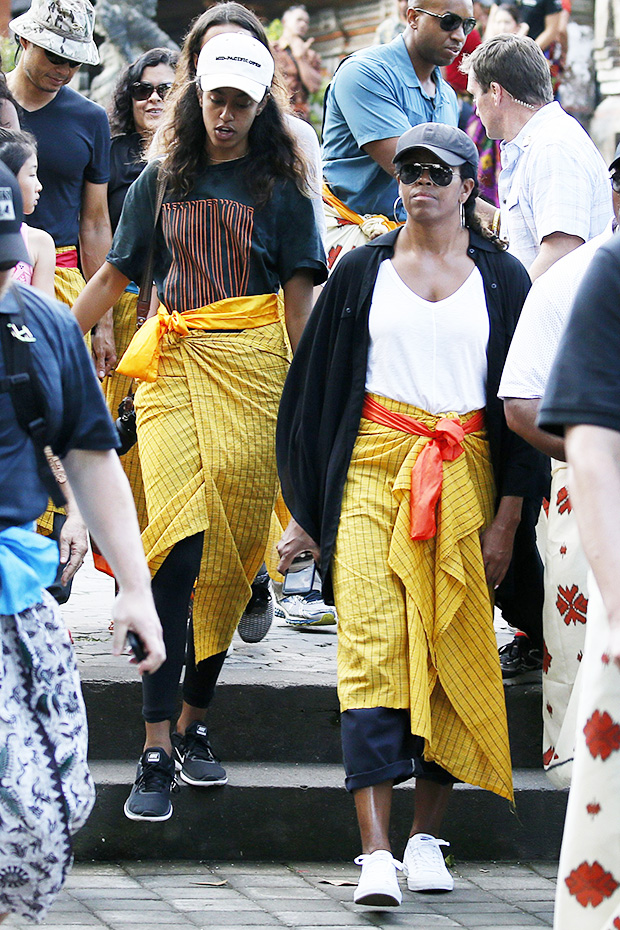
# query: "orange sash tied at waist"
x,y
446,444
141,360
350,216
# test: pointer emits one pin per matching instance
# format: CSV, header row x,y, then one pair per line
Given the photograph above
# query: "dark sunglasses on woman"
x,y
142,90
450,22
440,175
59,60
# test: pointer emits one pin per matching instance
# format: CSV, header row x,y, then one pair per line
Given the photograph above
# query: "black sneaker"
x,y
155,780
257,617
519,659
195,760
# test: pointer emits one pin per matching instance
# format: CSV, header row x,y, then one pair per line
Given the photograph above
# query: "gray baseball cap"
x,y
451,145
12,246
616,162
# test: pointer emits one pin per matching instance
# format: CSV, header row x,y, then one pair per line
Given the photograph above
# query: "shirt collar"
x,y
406,71
8,304
525,135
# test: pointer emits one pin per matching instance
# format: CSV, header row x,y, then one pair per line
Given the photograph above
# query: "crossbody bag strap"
x,y
24,387
144,297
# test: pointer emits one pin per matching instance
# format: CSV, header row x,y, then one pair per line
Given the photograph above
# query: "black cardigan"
x,y
323,395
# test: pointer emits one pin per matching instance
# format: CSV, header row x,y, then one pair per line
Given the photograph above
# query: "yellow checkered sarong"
x,y
415,616
206,429
115,388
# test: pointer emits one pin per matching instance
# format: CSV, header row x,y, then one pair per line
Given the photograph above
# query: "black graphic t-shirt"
x,y
217,243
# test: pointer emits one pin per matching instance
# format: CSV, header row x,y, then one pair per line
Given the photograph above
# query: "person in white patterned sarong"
x,y
582,400
529,361
46,792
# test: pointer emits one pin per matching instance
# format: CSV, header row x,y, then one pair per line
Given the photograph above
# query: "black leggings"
x,y
172,589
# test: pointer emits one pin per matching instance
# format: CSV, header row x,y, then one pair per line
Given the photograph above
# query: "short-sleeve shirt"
x,y
73,137
375,94
126,164
553,179
542,321
584,385
76,413
533,12
217,242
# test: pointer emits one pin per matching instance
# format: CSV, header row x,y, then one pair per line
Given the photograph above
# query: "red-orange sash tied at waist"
x,y
446,444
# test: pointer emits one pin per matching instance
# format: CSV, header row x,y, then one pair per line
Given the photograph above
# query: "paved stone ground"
x,y
304,896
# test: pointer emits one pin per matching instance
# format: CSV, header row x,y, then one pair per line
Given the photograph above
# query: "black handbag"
x,y
126,420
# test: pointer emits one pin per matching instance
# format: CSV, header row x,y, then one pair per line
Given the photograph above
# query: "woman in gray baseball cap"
x,y
398,467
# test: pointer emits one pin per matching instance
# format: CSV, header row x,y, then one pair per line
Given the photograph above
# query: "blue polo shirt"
x,y
77,415
375,94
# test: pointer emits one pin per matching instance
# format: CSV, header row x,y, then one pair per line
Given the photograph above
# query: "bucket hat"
x,y
64,27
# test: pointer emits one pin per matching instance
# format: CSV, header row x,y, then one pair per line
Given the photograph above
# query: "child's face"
x,y
29,183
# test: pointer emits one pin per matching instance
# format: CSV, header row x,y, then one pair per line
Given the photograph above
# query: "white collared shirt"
x,y
553,179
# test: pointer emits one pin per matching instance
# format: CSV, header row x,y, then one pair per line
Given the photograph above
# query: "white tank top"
x,y
431,354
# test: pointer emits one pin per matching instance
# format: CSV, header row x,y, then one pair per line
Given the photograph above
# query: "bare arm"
x,y
593,454
99,295
521,414
552,31
95,242
382,152
298,296
43,253
105,501
552,248
498,540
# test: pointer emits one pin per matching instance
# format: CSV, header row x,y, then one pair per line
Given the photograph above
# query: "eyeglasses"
x,y
59,60
615,183
142,90
440,175
450,22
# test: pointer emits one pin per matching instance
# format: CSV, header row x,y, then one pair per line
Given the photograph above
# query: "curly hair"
x,y
16,147
120,112
181,138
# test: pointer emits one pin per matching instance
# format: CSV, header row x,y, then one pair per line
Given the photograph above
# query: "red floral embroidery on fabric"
x,y
550,710
579,656
593,809
334,252
616,923
572,605
602,735
563,501
547,658
605,658
591,884
562,550
545,506
548,756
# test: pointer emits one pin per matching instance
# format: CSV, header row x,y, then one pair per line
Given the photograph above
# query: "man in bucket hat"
x,y
73,136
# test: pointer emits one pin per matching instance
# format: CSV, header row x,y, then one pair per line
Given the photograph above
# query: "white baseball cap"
x,y
235,60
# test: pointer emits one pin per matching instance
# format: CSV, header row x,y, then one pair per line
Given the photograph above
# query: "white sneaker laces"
x,y
359,860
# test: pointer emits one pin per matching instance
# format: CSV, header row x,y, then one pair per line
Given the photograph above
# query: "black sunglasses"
x,y
142,90
59,60
439,174
615,183
450,22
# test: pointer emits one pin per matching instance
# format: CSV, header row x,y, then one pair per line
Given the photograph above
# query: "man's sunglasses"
x,y
615,183
59,60
439,174
142,90
450,22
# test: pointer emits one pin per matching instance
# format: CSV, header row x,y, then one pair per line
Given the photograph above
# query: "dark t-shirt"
x,y
126,164
77,415
73,136
217,243
584,384
533,12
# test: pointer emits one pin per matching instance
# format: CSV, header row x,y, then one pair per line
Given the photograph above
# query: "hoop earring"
x,y
396,207
462,213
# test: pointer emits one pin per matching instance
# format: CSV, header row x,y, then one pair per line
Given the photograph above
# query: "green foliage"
x,y
274,30
8,51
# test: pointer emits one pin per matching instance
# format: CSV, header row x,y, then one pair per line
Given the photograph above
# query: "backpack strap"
x,y
23,384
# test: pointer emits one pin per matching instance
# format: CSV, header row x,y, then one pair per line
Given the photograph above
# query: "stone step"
x,y
293,811
273,721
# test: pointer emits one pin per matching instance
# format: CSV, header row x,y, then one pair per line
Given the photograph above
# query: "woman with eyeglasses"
x,y
235,226
404,480
135,112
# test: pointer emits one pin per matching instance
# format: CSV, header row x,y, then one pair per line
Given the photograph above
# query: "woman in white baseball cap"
x,y
236,226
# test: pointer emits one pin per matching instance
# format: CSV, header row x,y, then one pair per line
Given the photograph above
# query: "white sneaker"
x,y
424,865
303,610
378,884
